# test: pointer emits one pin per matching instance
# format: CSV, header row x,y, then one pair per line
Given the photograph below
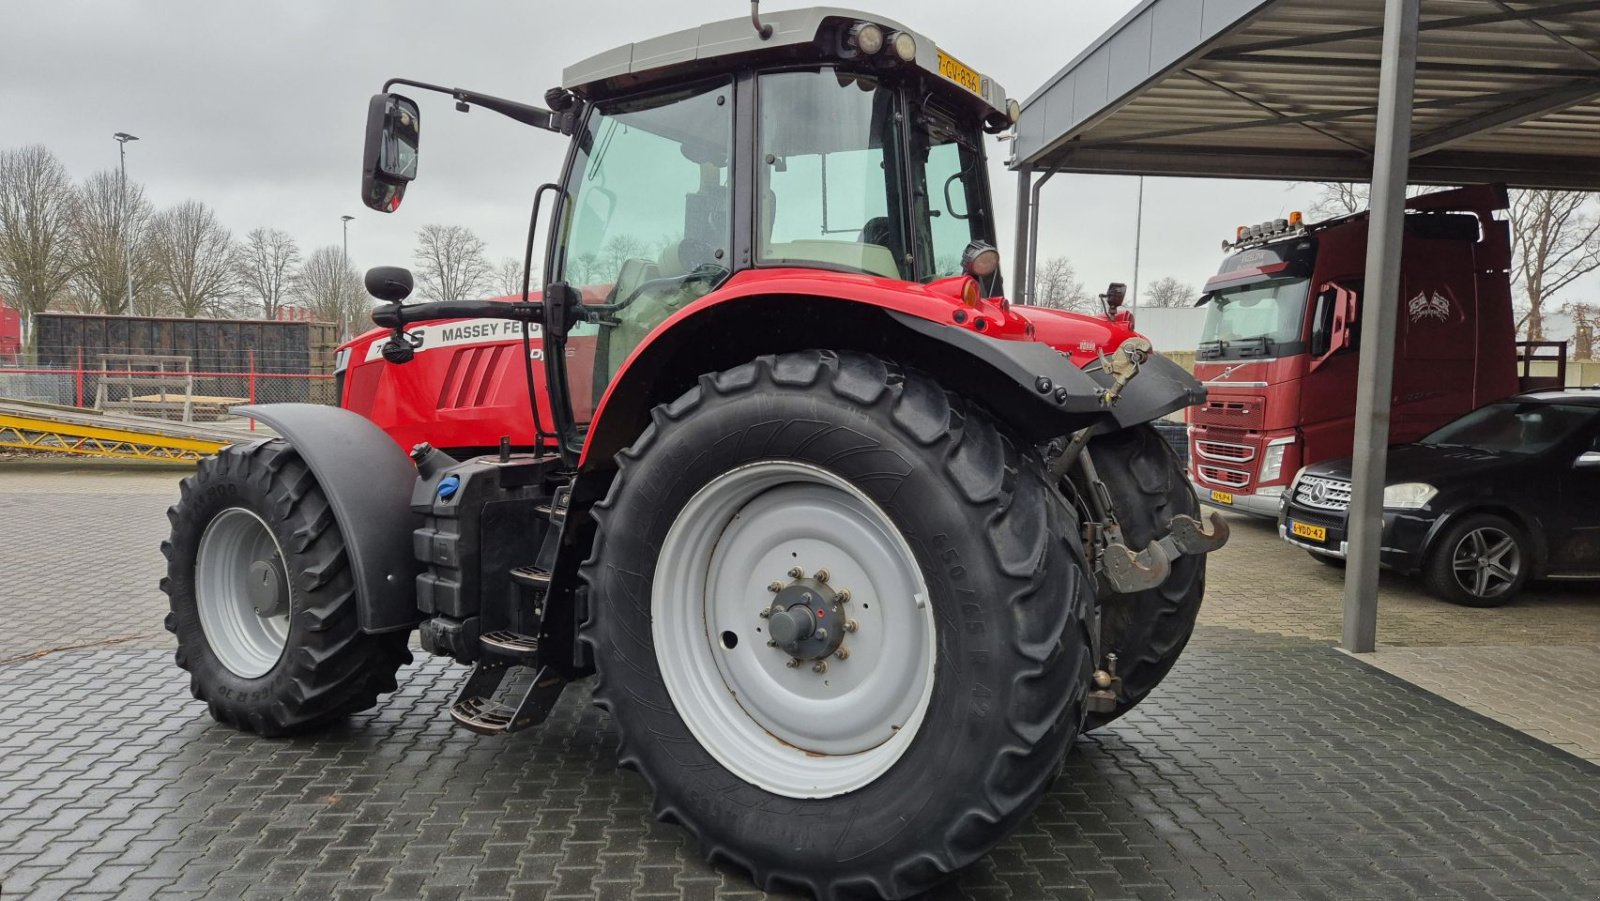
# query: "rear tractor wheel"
x,y
841,623
262,598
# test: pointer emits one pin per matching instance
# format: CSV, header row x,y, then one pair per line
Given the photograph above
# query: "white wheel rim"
x,y
246,642
789,730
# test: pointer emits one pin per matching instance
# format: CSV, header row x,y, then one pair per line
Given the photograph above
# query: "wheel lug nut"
x,y
796,573
850,625
793,662
843,653
775,587
771,643
765,612
822,575
844,595
821,666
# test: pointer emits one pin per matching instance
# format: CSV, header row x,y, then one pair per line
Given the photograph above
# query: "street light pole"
x,y
1138,240
344,265
123,138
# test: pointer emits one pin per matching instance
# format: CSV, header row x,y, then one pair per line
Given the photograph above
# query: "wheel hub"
x,y
267,592
807,618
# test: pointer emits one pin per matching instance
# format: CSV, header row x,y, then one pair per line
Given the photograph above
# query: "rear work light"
x,y
866,37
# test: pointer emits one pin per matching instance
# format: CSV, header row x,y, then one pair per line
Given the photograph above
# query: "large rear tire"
x,y
967,624
262,599
1147,630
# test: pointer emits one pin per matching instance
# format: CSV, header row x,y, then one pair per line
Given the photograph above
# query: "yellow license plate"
x,y
1315,533
1222,497
960,73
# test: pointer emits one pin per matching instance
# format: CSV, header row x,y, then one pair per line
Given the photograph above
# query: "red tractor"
x,y
852,546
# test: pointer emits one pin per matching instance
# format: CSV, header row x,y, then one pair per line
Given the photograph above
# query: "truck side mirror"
x,y
394,130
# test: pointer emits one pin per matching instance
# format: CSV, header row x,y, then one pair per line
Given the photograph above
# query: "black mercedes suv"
x,y
1508,492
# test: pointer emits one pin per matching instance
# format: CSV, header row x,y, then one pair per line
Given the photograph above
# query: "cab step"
x,y
533,577
476,710
515,647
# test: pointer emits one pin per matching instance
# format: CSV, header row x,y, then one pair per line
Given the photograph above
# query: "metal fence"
x,y
165,386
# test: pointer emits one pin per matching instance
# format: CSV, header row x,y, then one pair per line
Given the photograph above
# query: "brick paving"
x,y
1551,693
1258,582
1268,766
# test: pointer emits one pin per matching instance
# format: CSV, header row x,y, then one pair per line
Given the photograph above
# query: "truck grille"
x,y
1320,493
1225,452
1229,414
1216,475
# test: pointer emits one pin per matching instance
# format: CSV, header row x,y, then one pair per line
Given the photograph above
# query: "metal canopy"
x,y
1506,90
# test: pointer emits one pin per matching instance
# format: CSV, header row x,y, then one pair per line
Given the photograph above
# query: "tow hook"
x,y
1102,698
1129,571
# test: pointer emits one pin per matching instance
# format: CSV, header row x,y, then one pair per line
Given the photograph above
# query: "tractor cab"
x,y
823,140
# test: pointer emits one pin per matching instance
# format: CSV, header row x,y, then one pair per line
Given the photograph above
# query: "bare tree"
x,y
508,277
1555,240
1057,286
1343,198
451,263
111,226
1168,292
331,289
36,229
193,255
1585,319
265,267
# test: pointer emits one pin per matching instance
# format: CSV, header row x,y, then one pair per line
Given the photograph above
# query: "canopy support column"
x,y
1380,307
1019,260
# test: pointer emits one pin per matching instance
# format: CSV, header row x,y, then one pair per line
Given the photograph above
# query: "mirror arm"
x,y
522,112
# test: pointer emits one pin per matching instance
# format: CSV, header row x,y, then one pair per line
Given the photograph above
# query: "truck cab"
x,y
1278,350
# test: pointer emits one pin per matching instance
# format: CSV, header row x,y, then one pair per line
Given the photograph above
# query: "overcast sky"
x,y
257,109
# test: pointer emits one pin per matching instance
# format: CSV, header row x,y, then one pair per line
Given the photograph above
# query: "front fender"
x,y
368,480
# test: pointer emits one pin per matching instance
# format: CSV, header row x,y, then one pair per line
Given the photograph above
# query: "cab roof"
x,y
797,34
1583,397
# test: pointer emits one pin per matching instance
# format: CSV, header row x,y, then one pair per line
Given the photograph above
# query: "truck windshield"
x,y
1262,319
1510,428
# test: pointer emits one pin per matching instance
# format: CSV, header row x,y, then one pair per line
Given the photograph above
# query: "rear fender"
x,y
1033,388
368,481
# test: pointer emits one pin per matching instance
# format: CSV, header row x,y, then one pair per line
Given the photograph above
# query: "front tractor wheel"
x,y
262,598
841,621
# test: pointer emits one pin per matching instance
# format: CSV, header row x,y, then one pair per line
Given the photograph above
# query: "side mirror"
x,y
1587,460
1116,293
394,130
389,283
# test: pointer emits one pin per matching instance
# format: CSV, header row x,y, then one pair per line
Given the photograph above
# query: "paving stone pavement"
x,y
1551,693
1264,769
1268,765
79,555
1260,583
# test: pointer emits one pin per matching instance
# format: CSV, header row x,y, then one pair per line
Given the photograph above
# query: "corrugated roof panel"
x,y
1298,79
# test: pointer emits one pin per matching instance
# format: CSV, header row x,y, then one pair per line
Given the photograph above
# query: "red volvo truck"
x,y
1278,351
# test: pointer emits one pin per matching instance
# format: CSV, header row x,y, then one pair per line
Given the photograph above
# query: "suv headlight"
x,y
1408,495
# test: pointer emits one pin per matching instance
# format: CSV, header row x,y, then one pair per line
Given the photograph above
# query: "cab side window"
x,y
1322,319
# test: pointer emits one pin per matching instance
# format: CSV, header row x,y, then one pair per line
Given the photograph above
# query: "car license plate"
x,y
1222,497
960,73
1304,530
